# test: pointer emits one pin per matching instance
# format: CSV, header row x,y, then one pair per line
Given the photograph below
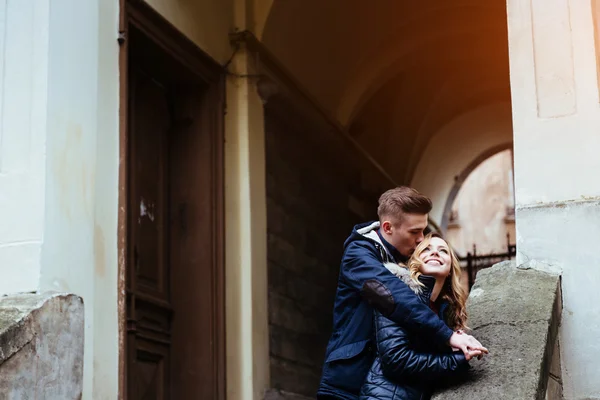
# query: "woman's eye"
x,y
444,251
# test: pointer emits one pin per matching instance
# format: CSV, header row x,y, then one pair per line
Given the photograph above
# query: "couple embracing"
x,y
399,311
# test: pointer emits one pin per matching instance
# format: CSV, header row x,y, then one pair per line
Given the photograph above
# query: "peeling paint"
x,y
146,210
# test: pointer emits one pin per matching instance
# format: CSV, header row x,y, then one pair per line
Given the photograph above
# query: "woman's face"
x,y
436,258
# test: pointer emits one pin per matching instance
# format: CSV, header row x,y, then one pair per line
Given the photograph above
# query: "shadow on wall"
x,y
313,201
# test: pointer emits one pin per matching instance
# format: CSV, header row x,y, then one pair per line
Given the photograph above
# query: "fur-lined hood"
x,y
402,272
368,231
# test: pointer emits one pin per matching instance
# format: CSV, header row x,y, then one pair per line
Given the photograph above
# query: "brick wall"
x,y
316,192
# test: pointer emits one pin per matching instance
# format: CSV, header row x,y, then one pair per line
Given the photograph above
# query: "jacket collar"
x,y
370,231
429,282
422,291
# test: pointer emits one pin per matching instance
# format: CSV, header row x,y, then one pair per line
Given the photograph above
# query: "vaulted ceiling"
x,y
394,72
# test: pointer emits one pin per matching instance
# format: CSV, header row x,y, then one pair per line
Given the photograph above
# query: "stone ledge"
x,y
41,346
515,313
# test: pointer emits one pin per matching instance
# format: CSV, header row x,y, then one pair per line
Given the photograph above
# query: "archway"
x,y
422,89
461,178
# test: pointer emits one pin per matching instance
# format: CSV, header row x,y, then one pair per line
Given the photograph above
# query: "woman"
x,y
406,365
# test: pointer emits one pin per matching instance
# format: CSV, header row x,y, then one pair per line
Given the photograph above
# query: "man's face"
x,y
406,234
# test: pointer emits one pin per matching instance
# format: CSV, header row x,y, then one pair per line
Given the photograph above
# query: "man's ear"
x,y
386,227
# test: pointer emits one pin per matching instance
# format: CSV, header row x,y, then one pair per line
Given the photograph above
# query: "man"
x,y
364,283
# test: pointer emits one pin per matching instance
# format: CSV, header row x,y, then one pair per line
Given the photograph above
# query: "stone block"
x,y
286,313
296,287
515,313
41,346
294,378
282,253
305,349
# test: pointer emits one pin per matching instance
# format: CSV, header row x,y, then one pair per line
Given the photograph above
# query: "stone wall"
x,y
316,192
41,346
515,313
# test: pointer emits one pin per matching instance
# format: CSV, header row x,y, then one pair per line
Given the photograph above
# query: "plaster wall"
x,y
59,162
555,97
59,155
558,237
207,23
455,146
23,101
556,117
481,208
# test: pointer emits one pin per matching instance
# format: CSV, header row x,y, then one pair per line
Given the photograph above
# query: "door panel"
x,y
148,291
174,268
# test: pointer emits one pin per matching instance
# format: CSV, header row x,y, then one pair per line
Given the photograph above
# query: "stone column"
x,y
556,120
246,229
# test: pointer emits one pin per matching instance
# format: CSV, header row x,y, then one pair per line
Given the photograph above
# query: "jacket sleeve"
x,y
399,360
363,270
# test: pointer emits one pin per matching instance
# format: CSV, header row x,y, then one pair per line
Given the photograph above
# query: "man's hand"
x,y
468,345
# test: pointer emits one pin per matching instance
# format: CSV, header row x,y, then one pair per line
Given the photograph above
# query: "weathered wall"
x,y
310,186
41,346
79,253
571,230
23,80
206,23
58,163
554,64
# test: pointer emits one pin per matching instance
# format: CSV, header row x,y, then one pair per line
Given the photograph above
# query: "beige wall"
x,y
455,146
481,207
207,23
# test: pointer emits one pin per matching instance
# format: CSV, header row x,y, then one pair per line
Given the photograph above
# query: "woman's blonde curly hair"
x,y
453,292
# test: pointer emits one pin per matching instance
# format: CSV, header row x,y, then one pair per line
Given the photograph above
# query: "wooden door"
x,y
174,271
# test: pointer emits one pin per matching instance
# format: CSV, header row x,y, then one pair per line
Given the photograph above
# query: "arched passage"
x,y
461,178
458,145
421,88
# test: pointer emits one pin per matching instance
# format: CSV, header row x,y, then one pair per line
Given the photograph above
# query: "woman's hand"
x,y
468,345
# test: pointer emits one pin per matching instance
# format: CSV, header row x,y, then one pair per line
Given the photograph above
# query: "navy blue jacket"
x,y
406,366
364,285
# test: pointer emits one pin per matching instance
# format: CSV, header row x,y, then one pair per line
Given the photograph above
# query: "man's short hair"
x,y
402,200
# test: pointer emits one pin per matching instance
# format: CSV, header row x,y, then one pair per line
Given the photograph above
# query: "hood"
x,y
423,291
402,272
367,230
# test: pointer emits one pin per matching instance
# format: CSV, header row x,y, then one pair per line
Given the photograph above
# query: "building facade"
x,y
191,168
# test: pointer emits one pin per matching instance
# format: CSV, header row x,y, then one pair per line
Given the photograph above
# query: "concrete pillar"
x,y
23,110
556,120
59,86
246,229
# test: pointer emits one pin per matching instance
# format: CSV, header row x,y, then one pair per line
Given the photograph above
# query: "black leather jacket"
x,y
409,366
